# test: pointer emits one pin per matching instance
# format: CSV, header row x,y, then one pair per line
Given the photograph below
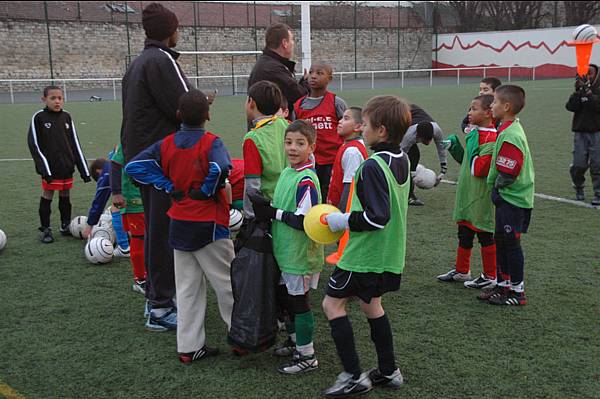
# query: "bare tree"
x,y
470,15
580,12
506,15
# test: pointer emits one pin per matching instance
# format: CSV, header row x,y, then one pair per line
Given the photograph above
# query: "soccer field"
x,y
70,329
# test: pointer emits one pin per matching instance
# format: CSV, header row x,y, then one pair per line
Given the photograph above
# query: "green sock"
x,y
305,325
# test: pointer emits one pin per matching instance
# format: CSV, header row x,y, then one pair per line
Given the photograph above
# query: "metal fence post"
x,y
12,94
232,76
372,80
65,89
114,81
341,81
431,78
509,73
402,79
484,70
533,73
458,77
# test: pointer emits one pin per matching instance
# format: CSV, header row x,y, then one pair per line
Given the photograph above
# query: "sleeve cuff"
x,y
279,214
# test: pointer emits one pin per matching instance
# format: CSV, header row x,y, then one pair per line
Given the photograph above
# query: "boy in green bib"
x,y
512,177
264,155
373,261
299,258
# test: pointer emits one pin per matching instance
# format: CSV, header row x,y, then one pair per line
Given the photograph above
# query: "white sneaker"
x,y
139,286
453,275
345,386
480,282
121,253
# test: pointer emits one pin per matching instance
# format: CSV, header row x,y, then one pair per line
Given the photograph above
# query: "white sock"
x,y
519,288
160,312
306,350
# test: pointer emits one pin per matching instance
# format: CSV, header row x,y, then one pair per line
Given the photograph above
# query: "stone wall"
x,y
94,50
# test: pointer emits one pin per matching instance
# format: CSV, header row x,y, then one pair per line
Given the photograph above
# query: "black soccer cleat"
x,y
395,380
46,236
204,352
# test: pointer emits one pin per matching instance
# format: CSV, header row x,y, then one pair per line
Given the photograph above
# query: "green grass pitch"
x,y
69,329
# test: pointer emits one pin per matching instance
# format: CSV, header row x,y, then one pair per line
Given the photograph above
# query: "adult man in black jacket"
x,y
275,65
152,86
585,105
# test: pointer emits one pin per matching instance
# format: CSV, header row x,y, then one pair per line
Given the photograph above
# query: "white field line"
x,y
546,197
539,195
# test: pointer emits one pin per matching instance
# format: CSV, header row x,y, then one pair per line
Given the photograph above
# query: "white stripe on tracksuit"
x,y
37,146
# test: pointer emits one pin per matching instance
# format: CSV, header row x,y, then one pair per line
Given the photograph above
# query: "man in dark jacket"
x,y
585,105
152,86
275,65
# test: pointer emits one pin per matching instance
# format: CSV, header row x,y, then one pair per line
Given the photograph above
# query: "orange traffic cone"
x,y
335,257
583,52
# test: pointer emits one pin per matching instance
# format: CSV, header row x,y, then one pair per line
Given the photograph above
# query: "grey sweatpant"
x,y
192,269
586,154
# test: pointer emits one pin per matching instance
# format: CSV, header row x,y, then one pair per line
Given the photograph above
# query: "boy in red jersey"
x,y
323,109
473,208
192,166
349,157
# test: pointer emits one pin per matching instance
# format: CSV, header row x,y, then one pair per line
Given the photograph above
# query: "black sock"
x,y
64,206
343,337
381,335
45,212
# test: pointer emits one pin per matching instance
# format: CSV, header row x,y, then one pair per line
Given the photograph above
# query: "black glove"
x,y
48,179
197,194
86,179
262,206
177,195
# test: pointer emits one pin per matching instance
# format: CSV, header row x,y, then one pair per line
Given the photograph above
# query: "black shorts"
x,y
345,284
510,219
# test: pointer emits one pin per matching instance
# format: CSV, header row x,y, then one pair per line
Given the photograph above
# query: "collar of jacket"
x,y
291,65
160,45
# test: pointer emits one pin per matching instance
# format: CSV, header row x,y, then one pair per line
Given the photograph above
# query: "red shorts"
x,y
58,184
134,223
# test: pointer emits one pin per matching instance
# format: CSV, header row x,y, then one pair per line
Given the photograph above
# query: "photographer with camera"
x,y
585,105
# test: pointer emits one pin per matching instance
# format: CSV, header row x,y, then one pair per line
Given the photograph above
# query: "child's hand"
x,y
86,179
48,179
87,231
337,221
119,201
211,95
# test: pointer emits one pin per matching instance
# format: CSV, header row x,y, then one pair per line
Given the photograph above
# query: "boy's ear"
x,y
382,132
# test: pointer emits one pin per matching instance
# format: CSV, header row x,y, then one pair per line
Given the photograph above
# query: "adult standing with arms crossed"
x,y
152,86
275,64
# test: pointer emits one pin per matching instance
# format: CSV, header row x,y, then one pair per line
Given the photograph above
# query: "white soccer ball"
x,y
77,226
99,250
425,178
106,219
584,33
105,231
2,240
108,211
236,218
419,168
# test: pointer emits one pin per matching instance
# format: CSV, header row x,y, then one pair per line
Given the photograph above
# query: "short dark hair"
x,y
267,97
425,131
275,35
492,81
51,87
391,112
193,107
513,95
284,103
323,65
356,114
94,166
486,100
303,127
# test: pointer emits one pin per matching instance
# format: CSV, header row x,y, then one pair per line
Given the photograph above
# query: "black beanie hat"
x,y
159,23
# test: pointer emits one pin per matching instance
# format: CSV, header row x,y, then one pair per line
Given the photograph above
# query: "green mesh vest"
x,y
521,192
294,251
381,250
473,203
130,192
269,137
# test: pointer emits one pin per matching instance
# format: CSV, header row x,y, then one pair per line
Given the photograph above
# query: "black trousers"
x,y
414,155
158,254
324,175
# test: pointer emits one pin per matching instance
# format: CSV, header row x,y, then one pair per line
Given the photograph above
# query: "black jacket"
x,y
586,109
55,147
274,68
152,86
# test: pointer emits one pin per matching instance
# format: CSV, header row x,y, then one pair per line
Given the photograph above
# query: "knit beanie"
x,y
159,23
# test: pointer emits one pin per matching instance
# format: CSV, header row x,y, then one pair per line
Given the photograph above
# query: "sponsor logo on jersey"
x,y
47,125
506,162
